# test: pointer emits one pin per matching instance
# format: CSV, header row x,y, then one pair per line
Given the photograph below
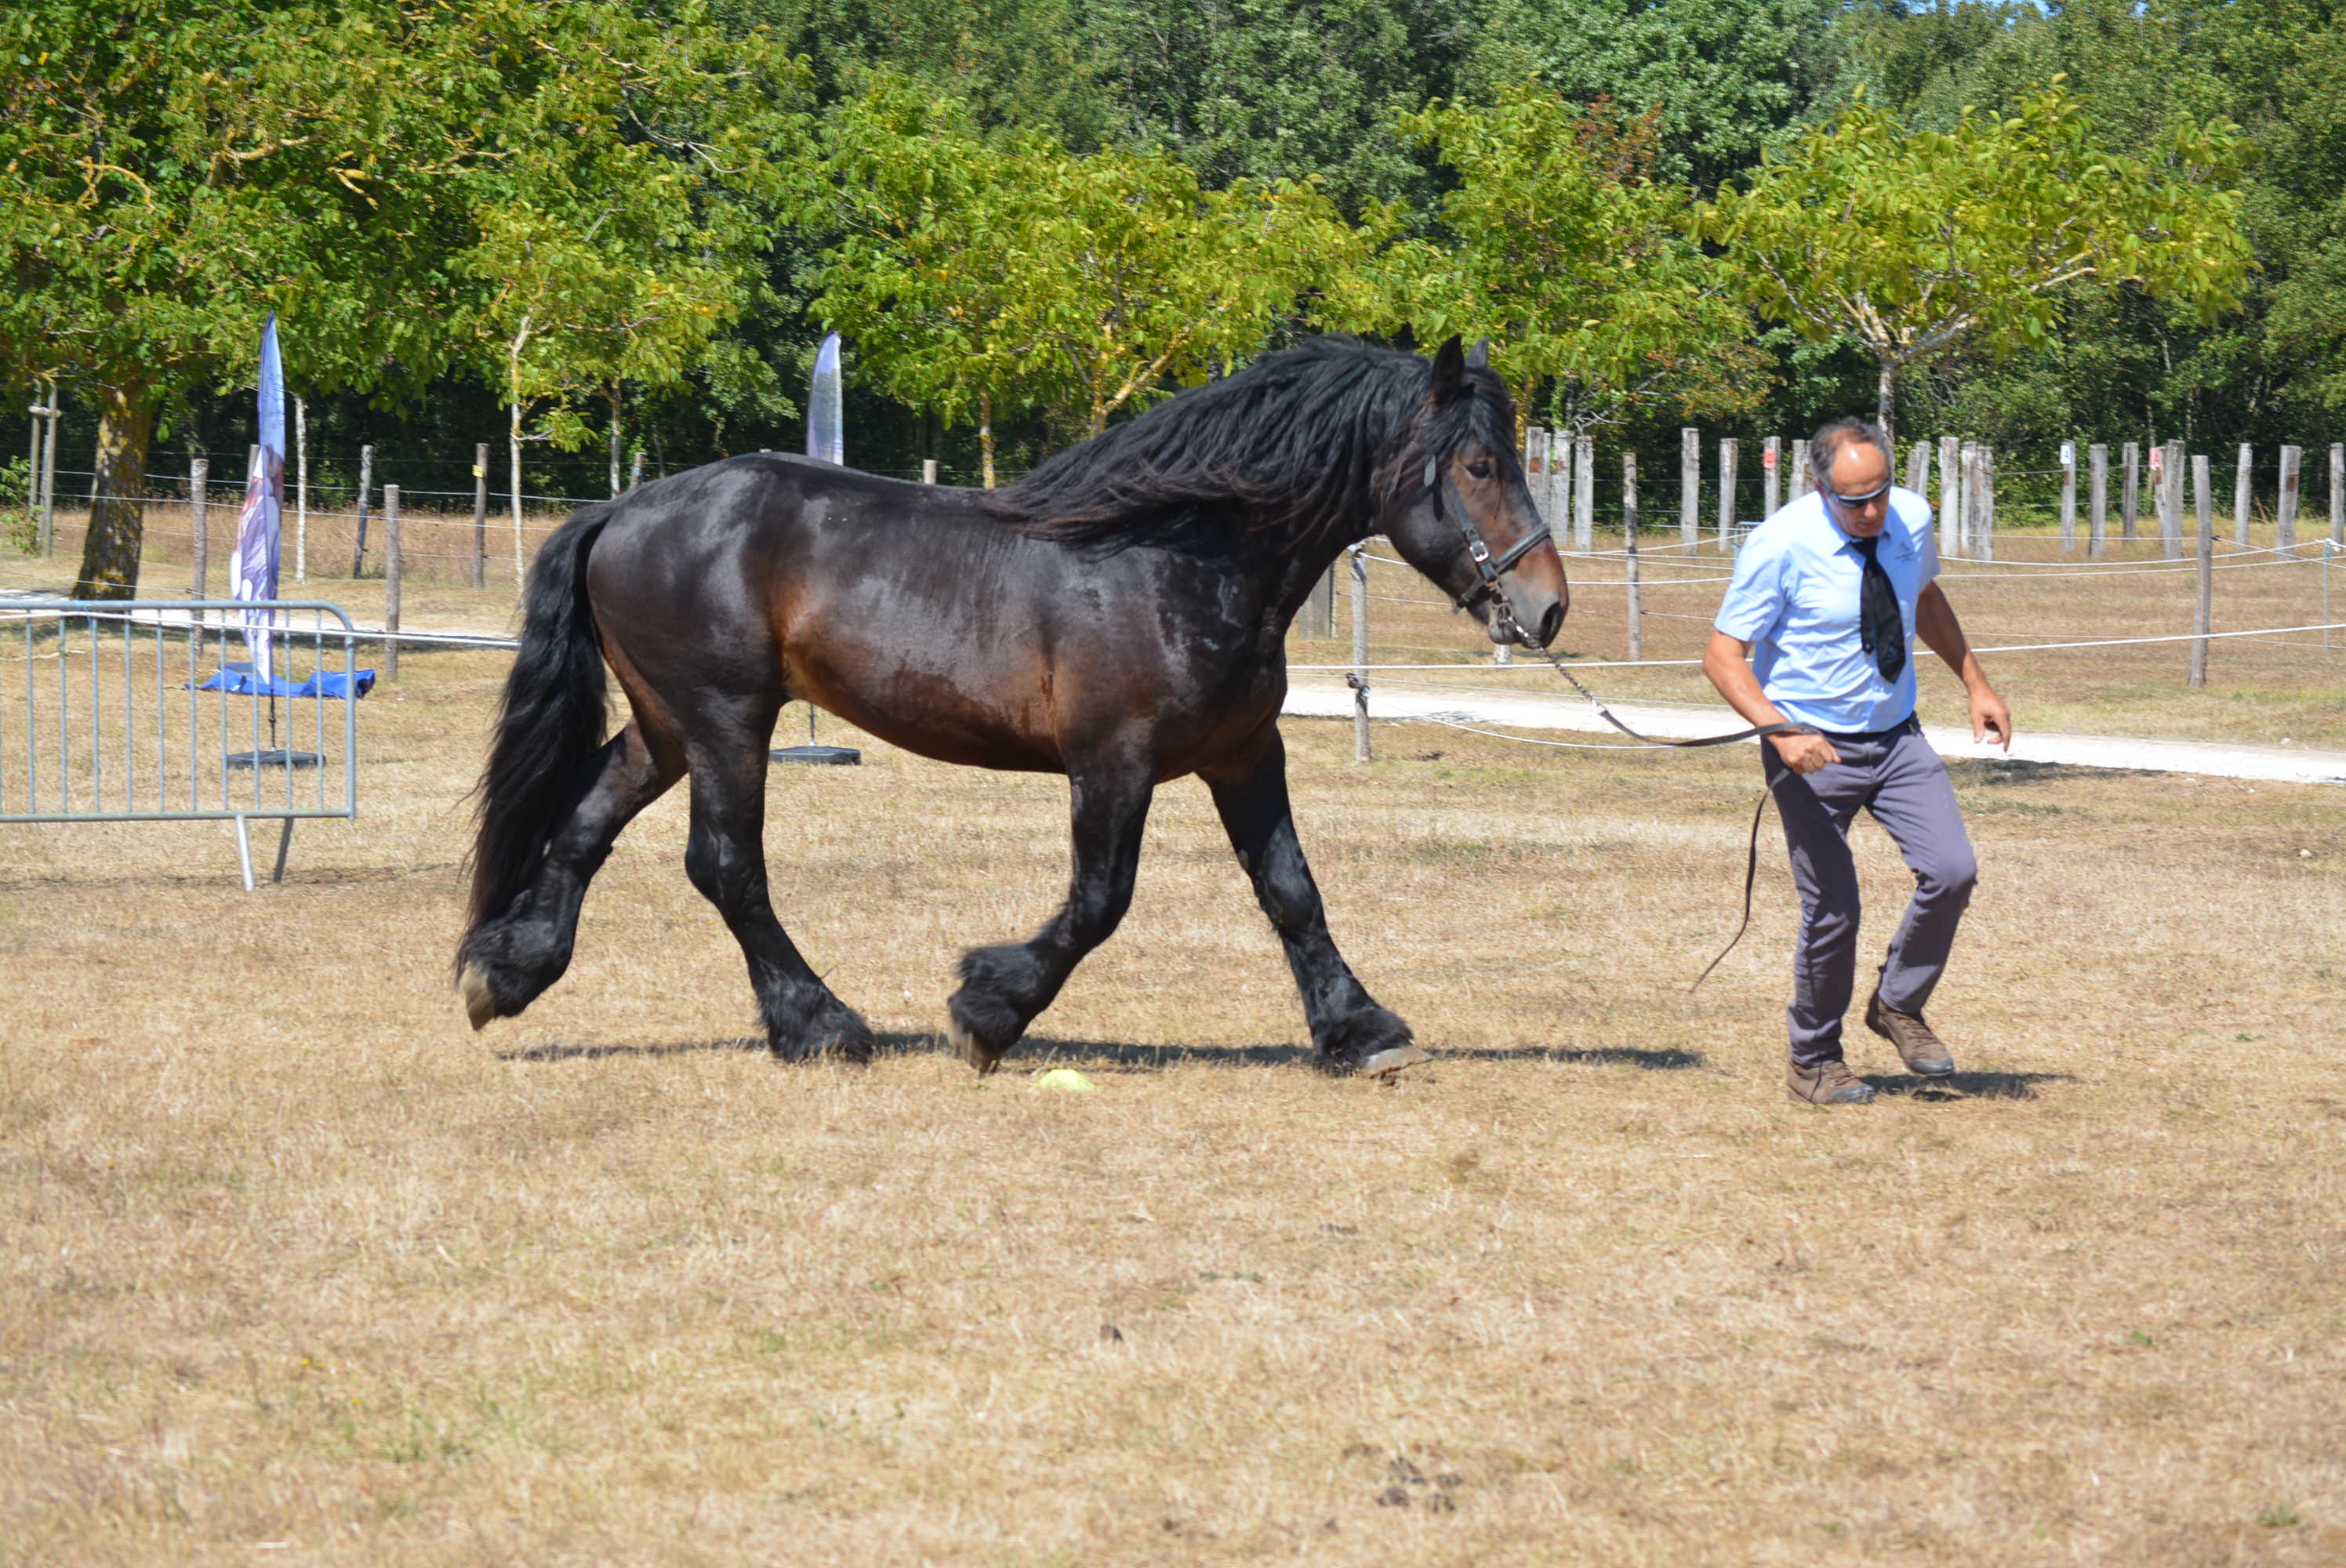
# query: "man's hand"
x,y
1990,716
1804,753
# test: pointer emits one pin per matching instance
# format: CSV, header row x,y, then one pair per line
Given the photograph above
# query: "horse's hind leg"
x,y
725,857
1003,988
515,954
1350,1031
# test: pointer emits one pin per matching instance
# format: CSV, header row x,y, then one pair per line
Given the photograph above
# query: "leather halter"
x,y
1488,568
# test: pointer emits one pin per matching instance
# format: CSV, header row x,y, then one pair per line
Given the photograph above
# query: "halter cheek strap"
x,y
1488,568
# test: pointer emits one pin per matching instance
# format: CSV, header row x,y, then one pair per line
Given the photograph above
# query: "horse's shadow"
x,y
1039,1050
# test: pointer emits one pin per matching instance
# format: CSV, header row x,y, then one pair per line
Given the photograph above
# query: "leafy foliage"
x,y
1911,240
1560,245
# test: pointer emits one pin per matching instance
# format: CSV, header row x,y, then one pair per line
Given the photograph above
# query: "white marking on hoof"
x,y
1386,1063
480,1004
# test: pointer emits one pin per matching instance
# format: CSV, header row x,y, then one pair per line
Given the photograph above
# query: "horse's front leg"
x,y
1003,988
1352,1032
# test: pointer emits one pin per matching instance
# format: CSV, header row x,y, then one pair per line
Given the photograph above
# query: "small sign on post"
x,y
1771,476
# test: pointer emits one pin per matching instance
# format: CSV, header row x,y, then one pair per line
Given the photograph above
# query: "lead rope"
x,y
1505,609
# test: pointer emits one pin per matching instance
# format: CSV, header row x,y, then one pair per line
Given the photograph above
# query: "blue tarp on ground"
x,y
327,683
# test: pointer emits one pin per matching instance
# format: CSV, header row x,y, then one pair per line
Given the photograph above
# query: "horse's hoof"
x,y
975,1052
1388,1062
480,1002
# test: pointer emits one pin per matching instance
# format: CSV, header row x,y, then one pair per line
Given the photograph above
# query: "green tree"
x,y
979,274
171,173
1559,244
1730,77
1912,242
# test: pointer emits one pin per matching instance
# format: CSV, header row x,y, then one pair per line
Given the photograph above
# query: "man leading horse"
x,y
1830,592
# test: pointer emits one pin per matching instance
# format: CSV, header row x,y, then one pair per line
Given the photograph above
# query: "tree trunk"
x,y
117,508
985,437
1885,385
614,438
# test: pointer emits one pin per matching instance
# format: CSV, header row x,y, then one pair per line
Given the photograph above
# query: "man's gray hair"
x,y
1835,434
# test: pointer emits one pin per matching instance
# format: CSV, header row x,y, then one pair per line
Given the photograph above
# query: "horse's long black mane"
x,y
1302,442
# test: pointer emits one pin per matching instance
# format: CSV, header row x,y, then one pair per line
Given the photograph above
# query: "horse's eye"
x,y
1479,470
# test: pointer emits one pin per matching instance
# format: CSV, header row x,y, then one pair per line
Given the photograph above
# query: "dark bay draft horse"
x,y
1119,617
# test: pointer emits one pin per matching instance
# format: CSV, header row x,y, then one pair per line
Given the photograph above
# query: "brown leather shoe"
x,y
1922,1052
1828,1084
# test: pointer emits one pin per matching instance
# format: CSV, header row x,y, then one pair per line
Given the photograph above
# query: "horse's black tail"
x,y
552,719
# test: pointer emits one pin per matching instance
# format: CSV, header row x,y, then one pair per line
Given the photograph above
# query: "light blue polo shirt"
x,y
1794,599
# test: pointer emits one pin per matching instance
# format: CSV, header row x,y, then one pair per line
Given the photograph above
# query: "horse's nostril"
x,y
1551,624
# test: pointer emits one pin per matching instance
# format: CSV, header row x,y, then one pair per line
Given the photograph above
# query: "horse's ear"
x,y
1478,358
1449,372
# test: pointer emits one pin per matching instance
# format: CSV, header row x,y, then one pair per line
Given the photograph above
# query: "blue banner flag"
x,y
826,422
260,529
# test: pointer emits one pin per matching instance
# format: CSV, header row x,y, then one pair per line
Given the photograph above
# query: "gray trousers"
x,y
1896,775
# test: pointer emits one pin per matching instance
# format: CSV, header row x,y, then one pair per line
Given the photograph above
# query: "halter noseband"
x,y
1488,568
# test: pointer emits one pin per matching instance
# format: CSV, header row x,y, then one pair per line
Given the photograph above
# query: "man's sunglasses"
x,y
1856,501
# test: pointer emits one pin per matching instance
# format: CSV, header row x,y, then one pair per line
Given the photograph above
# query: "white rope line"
x,y
2181,637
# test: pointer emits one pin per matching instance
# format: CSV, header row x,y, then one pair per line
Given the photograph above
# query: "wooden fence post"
x,y
2069,496
2241,497
2130,489
1360,681
476,570
2170,505
390,563
301,491
2292,463
1918,469
1556,506
2098,529
1951,515
1771,476
366,486
635,469
2203,602
1534,472
1798,478
1584,493
199,481
2337,486
1967,512
1690,486
1987,502
45,476
1726,493
1629,550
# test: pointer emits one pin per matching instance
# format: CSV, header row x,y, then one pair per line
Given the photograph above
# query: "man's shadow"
x,y
1965,1085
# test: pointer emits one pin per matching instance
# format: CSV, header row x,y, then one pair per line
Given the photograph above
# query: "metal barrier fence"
x,y
149,711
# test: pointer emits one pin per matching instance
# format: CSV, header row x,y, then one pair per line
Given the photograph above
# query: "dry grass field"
x,y
298,1269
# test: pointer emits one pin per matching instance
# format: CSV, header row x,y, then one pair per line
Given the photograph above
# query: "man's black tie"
x,y
1880,630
